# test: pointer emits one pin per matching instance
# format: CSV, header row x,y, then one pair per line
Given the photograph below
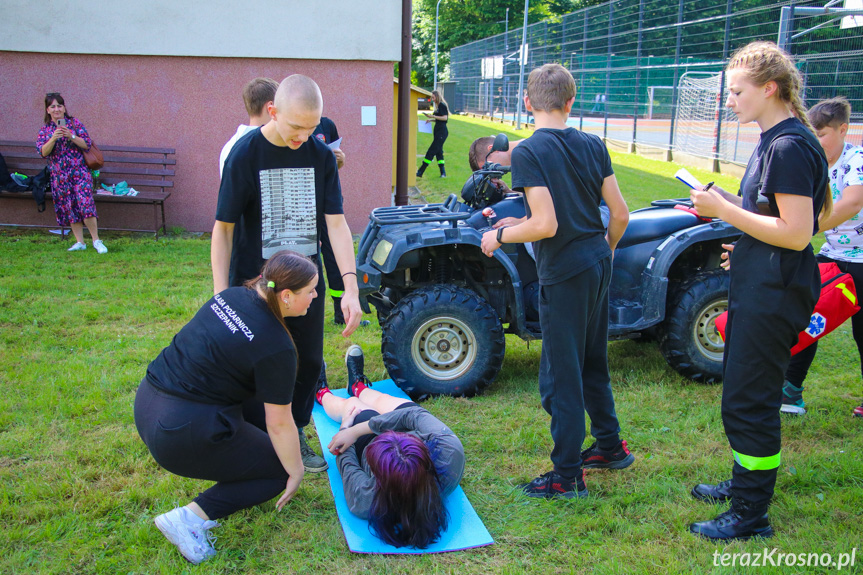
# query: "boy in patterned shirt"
x,y
843,231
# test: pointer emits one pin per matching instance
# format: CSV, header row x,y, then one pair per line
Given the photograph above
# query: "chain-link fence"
x,y
649,71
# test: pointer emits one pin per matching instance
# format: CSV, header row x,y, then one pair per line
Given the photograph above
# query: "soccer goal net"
x,y
699,105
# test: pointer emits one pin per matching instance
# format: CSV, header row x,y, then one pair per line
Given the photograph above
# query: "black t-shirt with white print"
x,y
277,198
232,350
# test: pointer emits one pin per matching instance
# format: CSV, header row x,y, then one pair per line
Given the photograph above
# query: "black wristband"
x,y
349,273
499,235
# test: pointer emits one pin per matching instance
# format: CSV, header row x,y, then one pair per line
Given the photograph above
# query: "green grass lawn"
x,y
79,491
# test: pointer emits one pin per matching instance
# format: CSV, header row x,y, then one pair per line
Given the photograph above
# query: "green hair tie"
x,y
271,284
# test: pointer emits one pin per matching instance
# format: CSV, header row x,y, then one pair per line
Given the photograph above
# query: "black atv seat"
x,y
652,223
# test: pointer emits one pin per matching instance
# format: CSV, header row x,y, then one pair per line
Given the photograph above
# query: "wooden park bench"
x,y
149,170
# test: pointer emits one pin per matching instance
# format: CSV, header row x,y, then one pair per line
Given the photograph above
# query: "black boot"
x,y
713,493
743,521
442,170
338,316
422,168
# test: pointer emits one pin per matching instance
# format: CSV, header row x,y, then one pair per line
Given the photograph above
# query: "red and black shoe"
x,y
355,362
596,458
858,411
552,485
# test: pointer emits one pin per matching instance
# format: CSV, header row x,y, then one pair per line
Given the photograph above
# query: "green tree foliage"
x,y
463,21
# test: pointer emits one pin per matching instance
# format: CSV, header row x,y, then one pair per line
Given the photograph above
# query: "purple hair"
x,y
407,509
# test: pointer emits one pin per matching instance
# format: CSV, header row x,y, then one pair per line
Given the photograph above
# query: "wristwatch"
x,y
73,136
500,236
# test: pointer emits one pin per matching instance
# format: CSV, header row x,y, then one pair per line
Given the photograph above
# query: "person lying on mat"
x,y
396,459
216,403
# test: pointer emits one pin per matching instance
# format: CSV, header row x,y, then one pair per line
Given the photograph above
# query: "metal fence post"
x,y
720,104
638,71
674,89
604,104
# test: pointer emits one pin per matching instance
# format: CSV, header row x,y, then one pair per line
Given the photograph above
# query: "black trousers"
x,y
772,294
334,277
440,135
574,373
227,444
800,363
308,334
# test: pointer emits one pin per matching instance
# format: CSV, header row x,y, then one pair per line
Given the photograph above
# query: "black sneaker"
x,y
552,485
595,458
355,362
312,462
713,493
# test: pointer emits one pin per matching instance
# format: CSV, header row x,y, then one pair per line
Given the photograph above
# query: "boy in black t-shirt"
x,y
565,174
279,187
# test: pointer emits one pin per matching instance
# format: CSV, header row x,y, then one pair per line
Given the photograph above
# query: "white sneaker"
x,y
100,247
192,539
77,247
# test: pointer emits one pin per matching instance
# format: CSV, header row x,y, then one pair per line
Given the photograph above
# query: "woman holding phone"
x,y
62,140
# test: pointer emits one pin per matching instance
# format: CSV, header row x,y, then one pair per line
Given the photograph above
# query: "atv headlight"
x,y
382,252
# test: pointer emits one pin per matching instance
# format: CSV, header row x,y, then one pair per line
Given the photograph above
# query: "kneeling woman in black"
x,y
396,459
216,403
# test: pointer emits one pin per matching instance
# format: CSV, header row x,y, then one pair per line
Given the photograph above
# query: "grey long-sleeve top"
x,y
447,452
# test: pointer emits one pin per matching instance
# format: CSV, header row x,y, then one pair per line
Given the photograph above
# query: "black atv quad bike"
x,y
444,307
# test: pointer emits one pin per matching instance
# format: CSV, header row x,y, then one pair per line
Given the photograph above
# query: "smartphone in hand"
x,y
61,123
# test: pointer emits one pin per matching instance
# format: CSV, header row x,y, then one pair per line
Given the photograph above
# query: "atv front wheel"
x,y
443,340
690,341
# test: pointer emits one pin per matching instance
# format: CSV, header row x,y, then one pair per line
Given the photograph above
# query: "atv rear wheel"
x,y
690,341
443,340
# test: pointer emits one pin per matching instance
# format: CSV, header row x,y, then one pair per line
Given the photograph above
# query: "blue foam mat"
x,y
465,530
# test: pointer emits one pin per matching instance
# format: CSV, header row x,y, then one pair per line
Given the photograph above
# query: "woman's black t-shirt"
x,y
232,350
788,160
440,125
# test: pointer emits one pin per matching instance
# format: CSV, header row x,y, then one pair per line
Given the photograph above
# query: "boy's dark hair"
x,y
477,152
257,93
833,112
550,87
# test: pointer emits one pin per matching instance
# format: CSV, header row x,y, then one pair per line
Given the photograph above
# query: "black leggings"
x,y
308,334
223,443
363,441
800,363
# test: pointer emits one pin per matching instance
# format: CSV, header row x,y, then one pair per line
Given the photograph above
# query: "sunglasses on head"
x,y
52,94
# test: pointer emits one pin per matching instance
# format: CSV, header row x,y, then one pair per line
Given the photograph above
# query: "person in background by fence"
x,y
774,279
500,103
61,140
440,133
842,231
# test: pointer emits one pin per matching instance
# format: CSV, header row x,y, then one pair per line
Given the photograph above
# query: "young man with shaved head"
x,y
279,187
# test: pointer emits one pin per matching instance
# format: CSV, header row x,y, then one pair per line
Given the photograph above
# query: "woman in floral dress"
x,y
71,181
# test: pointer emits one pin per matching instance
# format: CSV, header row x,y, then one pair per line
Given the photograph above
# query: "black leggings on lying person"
x,y
226,444
363,441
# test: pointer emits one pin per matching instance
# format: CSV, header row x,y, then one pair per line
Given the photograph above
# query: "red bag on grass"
x,y
837,302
